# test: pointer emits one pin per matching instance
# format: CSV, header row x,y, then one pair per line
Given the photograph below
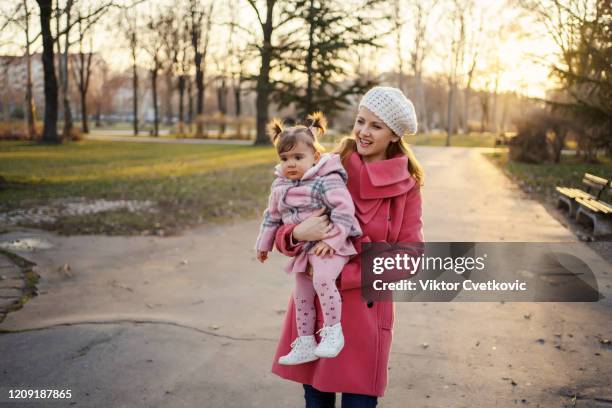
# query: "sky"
x,y
518,51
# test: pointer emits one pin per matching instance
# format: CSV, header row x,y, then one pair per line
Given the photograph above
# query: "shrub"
x,y
17,130
541,137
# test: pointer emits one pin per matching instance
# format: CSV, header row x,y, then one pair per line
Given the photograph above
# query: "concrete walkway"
x,y
192,320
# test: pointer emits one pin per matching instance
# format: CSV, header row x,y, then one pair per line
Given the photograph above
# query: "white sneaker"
x,y
302,351
332,341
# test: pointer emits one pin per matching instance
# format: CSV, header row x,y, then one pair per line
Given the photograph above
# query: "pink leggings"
x,y
323,284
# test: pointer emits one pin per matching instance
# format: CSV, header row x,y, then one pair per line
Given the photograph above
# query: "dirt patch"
x,y
74,207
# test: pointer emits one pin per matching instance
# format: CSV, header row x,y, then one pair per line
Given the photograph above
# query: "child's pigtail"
x,y
318,121
275,128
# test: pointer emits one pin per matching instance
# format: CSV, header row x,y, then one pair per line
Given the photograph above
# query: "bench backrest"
x,y
597,184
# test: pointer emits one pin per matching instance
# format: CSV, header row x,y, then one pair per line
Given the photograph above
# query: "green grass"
x,y
189,183
541,179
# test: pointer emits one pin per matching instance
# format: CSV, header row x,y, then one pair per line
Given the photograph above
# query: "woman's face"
x,y
372,136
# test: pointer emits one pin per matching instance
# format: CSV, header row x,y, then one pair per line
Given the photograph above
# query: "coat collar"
x,y
380,179
370,183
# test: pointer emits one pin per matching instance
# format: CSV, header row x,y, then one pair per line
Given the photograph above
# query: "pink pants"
x,y
325,270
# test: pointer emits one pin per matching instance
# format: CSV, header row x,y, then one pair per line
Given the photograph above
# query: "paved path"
x,y
192,320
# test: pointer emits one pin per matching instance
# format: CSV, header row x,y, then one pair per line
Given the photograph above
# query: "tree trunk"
x,y
237,104
67,131
84,121
98,115
189,104
263,83
485,112
199,93
170,92
155,110
181,107
309,103
222,102
421,109
450,117
134,83
29,98
238,110
50,125
466,106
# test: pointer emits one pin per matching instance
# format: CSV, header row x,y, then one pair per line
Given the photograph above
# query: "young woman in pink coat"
x,y
384,180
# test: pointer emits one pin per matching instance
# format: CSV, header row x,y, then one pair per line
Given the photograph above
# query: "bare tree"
x,y
169,29
183,63
82,73
456,54
21,17
238,57
49,40
130,31
398,26
153,46
264,86
200,22
421,17
50,125
473,47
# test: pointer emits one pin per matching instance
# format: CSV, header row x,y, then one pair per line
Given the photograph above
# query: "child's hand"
x,y
262,256
322,249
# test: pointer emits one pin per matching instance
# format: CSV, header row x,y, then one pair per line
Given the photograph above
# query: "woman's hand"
x,y
313,228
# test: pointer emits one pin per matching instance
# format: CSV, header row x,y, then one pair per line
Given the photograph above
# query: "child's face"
x,y
297,161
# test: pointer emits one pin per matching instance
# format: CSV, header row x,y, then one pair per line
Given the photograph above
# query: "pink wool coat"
x,y
292,201
388,206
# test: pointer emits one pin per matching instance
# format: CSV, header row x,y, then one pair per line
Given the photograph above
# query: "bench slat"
x,y
572,192
588,204
595,179
603,207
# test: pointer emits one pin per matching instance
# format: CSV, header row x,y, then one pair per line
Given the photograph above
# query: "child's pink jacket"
x,y
291,202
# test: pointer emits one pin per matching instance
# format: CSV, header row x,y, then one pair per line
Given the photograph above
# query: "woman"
x,y
384,179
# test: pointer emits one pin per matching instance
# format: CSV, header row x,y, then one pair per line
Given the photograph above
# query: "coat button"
x,y
389,218
370,304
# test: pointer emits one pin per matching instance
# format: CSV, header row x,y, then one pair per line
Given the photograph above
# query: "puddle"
x,y
25,244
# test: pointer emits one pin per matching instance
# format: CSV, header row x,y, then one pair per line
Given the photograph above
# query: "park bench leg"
x,y
602,224
572,205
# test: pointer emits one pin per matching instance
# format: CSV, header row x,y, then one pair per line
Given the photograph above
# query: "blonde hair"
x,y
348,145
285,139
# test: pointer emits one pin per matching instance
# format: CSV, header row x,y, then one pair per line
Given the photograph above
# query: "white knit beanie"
x,y
393,108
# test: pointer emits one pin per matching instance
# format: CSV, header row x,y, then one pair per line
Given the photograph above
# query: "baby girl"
x,y
306,180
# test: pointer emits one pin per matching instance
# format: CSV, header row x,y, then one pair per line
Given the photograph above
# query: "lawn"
x,y
188,184
541,179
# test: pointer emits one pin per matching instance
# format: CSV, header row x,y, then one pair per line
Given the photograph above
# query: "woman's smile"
x,y
364,143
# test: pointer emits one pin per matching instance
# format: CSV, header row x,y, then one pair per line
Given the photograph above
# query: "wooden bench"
x,y
588,205
595,187
598,212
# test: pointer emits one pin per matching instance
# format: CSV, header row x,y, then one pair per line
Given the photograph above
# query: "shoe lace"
x,y
295,342
323,332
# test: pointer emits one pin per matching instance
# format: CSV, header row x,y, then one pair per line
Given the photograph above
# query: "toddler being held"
x,y
306,180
